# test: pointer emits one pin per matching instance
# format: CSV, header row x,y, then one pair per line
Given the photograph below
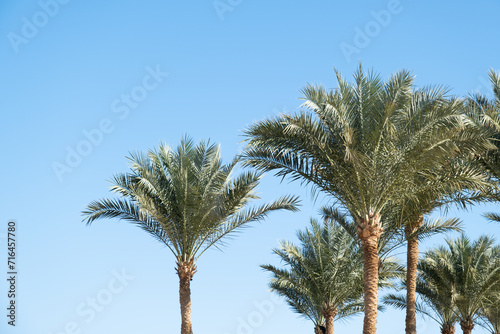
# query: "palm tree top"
x,y
364,142
470,268
324,271
185,197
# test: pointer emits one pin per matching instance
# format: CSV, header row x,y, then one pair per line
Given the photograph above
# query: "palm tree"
x,y
456,281
350,144
463,180
462,183
324,278
459,181
435,295
474,268
186,199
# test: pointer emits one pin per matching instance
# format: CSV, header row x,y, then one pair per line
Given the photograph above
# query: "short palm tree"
x,y
456,281
323,280
474,268
358,144
186,199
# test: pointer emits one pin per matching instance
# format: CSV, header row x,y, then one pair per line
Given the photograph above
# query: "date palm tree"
x,y
457,281
474,269
435,295
361,145
186,199
460,182
323,280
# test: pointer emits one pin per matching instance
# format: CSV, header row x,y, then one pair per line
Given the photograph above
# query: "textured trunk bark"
x,y
411,275
185,300
467,326
329,313
448,329
329,324
369,231
185,271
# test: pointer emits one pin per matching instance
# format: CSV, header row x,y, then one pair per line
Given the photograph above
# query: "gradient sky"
x,y
130,74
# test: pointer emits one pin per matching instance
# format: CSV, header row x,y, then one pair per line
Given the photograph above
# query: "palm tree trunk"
x,y
448,329
329,325
411,275
185,271
369,231
467,326
329,314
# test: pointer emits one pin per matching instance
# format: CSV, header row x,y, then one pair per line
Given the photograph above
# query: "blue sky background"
x,y
226,69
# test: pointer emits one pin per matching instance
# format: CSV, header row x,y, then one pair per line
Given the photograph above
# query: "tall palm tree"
x,y
349,143
323,280
459,182
186,199
435,295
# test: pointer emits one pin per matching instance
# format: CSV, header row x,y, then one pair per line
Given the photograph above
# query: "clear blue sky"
x,y
130,74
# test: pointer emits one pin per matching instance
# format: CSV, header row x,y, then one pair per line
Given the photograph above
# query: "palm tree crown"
x,y
474,267
324,279
364,142
463,275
